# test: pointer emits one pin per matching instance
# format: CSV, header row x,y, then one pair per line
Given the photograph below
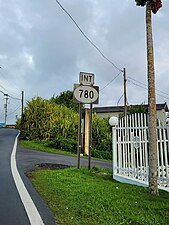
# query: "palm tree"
x,y
151,5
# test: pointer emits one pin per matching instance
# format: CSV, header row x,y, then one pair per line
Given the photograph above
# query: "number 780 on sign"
x,y
86,94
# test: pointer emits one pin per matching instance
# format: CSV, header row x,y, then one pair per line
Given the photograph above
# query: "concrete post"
x,y
86,138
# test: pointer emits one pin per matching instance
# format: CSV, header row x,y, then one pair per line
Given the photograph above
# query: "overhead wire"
x,y
2,92
86,37
110,81
147,85
14,110
10,96
3,88
15,98
146,88
120,99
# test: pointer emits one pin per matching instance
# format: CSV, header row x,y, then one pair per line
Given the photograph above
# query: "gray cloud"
x,y
42,51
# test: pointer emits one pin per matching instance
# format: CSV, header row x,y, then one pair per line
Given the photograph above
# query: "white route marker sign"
x,y
86,78
86,94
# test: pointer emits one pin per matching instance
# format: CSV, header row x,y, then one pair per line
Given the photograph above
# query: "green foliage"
x,y
66,144
102,138
43,120
107,154
140,2
65,98
155,4
57,125
136,109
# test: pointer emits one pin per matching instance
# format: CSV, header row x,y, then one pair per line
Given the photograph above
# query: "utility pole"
x,y
6,106
125,94
152,114
22,103
22,100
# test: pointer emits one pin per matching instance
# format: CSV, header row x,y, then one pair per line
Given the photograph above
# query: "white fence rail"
x,y
130,151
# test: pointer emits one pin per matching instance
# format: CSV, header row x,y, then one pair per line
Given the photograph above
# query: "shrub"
x,y
102,138
62,143
101,154
43,120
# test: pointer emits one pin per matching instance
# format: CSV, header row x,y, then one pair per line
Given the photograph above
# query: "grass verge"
x,y
82,197
41,146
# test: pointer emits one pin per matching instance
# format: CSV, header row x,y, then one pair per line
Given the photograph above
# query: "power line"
x,y
110,81
86,37
14,110
10,96
14,98
120,99
3,88
147,89
2,92
130,78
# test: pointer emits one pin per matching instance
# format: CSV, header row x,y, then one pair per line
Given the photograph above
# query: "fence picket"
x,y
131,137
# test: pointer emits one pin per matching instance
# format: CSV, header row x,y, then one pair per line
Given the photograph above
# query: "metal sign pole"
x,y
85,93
79,136
90,136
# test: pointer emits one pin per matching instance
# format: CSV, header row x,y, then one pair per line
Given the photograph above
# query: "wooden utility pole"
x,y
6,106
22,109
153,6
125,94
22,101
153,160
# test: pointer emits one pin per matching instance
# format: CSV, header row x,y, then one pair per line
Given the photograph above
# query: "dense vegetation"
x,y
65,98
56,126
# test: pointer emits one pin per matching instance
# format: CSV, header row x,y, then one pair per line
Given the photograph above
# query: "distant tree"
x,y
136,109
65,98
151,5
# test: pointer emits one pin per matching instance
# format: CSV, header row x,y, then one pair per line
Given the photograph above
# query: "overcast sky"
x,y
42,51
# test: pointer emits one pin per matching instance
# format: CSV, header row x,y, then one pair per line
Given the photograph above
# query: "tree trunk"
x,y
153,163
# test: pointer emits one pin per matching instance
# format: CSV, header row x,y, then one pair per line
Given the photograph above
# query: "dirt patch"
x,y
51,166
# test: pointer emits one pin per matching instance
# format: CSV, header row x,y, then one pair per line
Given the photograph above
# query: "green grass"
x,y
40,146
82,197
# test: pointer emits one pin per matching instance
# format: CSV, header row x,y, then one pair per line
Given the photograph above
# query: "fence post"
x,y
167,126
114,149
113,121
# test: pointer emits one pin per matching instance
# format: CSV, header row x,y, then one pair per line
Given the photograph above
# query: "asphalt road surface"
x,y
12,211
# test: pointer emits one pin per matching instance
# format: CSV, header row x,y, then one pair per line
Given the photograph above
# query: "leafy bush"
x,y
66,144
102,138
65,98
101,154
43,120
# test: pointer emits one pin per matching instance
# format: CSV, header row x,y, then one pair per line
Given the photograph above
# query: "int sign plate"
x,y
86,78
86,94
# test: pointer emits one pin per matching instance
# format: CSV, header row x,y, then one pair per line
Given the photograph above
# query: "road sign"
x,y
86,94
86,78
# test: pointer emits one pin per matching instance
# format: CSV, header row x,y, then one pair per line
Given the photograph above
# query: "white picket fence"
x,y
130,151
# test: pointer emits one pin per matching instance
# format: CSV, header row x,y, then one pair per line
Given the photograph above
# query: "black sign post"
x,y
85,93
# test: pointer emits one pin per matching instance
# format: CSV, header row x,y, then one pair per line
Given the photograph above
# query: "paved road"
x,y
12,211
